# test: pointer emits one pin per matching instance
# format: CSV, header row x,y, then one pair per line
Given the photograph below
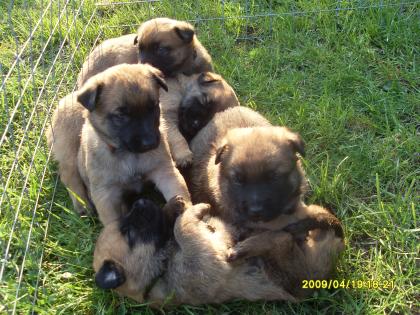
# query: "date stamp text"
x,y
348,284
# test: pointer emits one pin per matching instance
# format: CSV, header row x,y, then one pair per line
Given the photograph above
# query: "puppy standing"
x,y
121,144
169,45
189,104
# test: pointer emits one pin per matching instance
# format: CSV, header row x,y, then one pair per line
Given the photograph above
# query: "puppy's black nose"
x,y
141,144
255,210
196,124
148,143
140,203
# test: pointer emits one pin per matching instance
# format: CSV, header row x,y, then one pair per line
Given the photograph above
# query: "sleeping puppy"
x,y
138,257
189,104
121,142
167,44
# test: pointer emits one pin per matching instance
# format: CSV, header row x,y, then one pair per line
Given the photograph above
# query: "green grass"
x,y
347,81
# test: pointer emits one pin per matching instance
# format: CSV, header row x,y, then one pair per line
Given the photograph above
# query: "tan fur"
x,y
196,272
106,173
219,93
194,57
311,258
111,52
240,126
63,135
252,145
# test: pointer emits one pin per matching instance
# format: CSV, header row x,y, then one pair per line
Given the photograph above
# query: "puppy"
x,y
311,227
246,168
121,143
189,104
250,173
167,44
253,175
63,135
136,256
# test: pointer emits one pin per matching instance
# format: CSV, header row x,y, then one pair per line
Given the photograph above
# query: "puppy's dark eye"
x,y
163,51
119,118
238,178
206,101
278,175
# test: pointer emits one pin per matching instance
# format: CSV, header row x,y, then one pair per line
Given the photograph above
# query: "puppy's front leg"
x,y
180,150
108,202
170,182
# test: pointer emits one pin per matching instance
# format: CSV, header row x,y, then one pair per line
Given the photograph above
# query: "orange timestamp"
x,y
348,284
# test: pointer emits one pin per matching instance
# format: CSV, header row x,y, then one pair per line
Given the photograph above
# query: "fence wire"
x,y
43,44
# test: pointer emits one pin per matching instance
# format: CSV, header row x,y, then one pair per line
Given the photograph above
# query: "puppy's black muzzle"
x,y
144,143
193,116
166,65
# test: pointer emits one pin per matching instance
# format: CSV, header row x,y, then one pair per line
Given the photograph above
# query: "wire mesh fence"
x,y
43,45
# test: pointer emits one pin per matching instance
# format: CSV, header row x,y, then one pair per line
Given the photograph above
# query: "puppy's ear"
x,y
110,276
136,40
219,153
208,77
297,144
158,77
88,96
294,140
185,31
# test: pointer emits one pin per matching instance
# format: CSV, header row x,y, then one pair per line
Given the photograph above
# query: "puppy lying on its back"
x,y
188,105
138,257
169,45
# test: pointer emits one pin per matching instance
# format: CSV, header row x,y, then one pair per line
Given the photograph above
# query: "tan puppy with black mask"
x,y
169,45
121,142
249,172
138,257
189,104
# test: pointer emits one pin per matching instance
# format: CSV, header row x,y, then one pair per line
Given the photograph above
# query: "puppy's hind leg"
x,y
188,227
71,178
260,244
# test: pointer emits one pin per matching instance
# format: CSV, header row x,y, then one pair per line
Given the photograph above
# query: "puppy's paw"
x,y
84,210
236,253
183,158
201,210
179,205
176,205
